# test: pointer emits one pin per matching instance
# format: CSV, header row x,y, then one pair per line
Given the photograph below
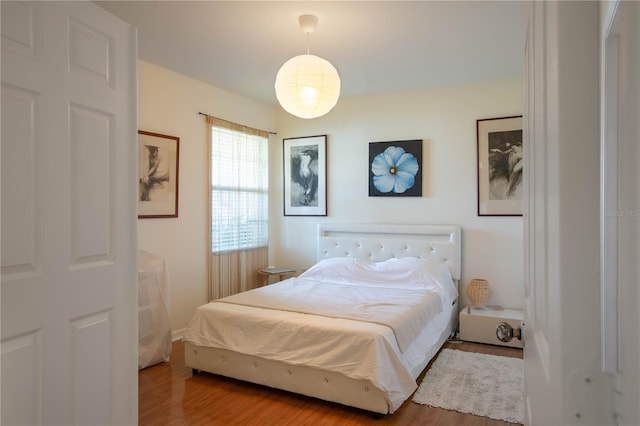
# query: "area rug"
x,y
479,384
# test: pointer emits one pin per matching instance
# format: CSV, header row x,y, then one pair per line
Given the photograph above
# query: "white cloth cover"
x,y
352,346
154,327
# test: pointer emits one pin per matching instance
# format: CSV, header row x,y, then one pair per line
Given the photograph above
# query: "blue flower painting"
x,y
395,169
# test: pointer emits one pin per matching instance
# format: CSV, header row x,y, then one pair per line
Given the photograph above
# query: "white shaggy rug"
x,y
482,385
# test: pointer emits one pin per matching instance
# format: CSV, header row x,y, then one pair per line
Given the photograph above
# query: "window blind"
x,y
239,188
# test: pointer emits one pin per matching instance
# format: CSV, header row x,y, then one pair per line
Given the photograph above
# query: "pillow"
x,y
406,272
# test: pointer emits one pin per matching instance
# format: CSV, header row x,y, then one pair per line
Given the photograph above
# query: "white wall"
x,y
445,118
169,104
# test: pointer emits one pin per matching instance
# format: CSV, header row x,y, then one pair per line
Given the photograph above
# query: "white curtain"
x,y
239,207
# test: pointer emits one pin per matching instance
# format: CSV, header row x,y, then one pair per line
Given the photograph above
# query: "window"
x,y
239,188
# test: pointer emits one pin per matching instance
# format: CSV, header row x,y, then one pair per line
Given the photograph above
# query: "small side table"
x,y
267,273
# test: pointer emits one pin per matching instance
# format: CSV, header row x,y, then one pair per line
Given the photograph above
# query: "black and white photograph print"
x,y
158,159
395,169
305,187
304,176
505,165
500,166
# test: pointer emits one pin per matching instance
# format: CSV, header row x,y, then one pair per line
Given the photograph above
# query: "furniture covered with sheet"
x,y
154,328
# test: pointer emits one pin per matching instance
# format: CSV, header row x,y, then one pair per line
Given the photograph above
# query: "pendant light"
x,y
307,86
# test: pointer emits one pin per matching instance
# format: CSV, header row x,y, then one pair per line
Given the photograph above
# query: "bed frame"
x,y
367,241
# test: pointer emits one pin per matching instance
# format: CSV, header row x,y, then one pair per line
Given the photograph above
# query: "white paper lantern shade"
x,y
307,86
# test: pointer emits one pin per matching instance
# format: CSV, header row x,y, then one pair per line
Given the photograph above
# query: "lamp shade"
x,y
479,292
307,86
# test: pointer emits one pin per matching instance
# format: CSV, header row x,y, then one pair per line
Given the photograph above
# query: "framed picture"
x,y
395,169
500,162
305,176
158,160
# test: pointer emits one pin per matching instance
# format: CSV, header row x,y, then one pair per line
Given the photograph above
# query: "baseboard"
x,y
177,334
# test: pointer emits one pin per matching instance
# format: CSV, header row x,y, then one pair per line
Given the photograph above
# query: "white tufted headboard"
x,y
379,242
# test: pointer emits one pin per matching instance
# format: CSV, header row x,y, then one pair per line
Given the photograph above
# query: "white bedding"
x,y
337,342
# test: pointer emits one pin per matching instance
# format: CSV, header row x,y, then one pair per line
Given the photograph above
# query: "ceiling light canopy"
x,y
307,86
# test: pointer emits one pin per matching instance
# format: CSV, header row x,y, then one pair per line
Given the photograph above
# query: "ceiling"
x,y
376,46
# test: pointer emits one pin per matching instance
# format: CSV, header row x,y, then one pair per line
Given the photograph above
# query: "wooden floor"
x,y
170,395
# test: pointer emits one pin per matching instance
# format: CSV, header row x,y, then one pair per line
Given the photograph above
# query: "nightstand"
x,y
269,272
478,324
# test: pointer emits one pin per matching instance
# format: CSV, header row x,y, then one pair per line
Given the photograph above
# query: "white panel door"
x,y
542,298
564,384
69,314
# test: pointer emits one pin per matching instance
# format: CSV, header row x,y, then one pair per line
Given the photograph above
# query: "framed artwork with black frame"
x,y
500,166
158,162
395,168
305,176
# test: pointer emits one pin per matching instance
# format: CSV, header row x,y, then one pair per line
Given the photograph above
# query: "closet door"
x,y
69,323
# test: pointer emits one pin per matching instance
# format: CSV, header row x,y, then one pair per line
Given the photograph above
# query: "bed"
x,y
368,355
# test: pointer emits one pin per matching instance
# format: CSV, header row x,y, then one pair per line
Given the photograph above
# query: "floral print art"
x,y
396,170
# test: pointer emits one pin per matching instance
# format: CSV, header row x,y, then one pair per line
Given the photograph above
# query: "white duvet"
x,y
368,315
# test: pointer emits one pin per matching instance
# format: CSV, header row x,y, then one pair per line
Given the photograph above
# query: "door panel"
x,y
22,379
69,307
91,200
